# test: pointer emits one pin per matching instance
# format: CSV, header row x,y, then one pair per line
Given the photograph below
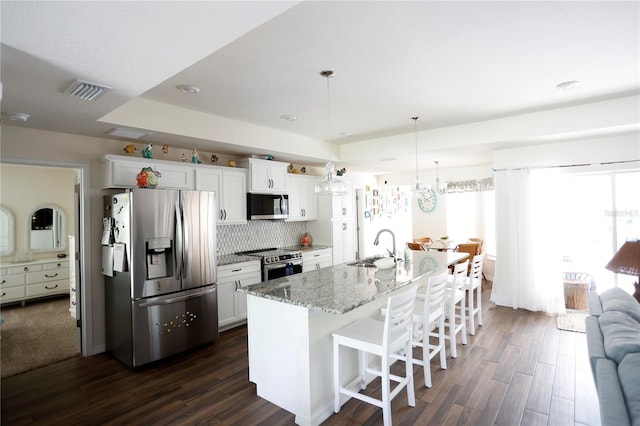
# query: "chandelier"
x,y
330,184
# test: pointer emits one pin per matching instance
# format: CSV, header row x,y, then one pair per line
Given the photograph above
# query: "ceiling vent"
x,y
87,91
126,133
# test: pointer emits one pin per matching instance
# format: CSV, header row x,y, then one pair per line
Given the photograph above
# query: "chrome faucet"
x,y
377,241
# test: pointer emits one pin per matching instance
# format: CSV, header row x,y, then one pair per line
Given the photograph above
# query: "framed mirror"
x,y
46,229
7,232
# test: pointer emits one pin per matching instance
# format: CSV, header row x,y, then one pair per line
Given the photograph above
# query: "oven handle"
x,y
282,264
177,298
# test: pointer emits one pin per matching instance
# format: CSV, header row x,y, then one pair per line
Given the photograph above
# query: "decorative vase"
x,y
306,239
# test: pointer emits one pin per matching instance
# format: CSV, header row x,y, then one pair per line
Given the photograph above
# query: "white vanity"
x,y
30,280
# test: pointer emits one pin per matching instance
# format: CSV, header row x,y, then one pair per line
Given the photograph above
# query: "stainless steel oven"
x,y
277,263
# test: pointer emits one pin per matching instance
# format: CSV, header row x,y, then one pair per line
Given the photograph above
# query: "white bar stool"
x,y
382,338
455,295
474,282
428,315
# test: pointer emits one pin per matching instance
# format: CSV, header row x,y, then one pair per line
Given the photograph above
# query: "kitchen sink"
x,y
366,263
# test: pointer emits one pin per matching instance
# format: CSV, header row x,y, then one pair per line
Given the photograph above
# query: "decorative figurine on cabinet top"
x,y
214,158
148,178
194,157
130,149
165,150
147,152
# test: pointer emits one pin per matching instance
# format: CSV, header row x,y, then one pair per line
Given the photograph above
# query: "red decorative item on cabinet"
x,y
306,239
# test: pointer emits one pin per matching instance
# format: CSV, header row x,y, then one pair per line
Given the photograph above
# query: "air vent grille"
x,y
87,91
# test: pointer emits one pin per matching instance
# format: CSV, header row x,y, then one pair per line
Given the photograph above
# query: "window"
x,y
597,213
472,214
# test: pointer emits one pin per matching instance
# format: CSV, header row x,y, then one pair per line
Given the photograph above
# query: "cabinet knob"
x,y
26,268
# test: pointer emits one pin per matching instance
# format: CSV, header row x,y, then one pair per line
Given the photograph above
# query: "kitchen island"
x,y
290,321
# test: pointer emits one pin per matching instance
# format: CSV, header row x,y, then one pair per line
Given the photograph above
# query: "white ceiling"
x,y
452,63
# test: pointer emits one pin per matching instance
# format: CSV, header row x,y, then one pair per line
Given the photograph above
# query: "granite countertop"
x,y
310,247
228,259
342,288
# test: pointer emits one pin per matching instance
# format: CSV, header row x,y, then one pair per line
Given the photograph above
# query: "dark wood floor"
x,y
517,369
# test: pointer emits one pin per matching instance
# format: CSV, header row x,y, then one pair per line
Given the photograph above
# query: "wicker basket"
x,y
576,287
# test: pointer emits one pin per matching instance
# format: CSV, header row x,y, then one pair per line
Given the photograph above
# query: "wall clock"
x,y
427,200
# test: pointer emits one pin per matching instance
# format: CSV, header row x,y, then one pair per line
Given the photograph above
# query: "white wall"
x,y
25,188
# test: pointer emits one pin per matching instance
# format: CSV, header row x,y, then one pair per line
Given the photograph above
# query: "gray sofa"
x,y
613,341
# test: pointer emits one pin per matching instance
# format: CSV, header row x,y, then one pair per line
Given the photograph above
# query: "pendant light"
x,y
330,185
442,188
418,190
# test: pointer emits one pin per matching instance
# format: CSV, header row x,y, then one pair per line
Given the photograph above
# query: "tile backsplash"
x,y
258,234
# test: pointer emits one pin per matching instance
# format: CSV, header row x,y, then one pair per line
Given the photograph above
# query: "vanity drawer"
x,y
11,280
24,268
47,276
11,294
55,265
44,289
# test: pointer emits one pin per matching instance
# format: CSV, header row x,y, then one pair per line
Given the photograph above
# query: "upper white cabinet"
x,y
265,176
120,172
303,202
230,185
343,206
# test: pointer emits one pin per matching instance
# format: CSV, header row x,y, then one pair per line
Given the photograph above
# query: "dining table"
x,y
439,245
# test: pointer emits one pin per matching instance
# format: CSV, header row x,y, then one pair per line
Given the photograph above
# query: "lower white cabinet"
x,y
232,306
343,234
23,281
316,259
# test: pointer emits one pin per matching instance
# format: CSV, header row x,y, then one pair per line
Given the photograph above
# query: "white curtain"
x,y
527,273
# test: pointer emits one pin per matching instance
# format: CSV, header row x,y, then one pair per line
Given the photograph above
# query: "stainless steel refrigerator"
x,y
159,258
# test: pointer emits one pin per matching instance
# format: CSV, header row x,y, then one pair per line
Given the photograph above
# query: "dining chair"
x,y
474,283
455,306
472,249
415,246
480,241
423,240
390,340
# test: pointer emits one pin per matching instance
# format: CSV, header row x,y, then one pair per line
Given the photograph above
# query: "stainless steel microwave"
x,y
267,206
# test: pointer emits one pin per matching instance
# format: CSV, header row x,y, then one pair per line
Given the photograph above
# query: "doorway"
x,y
78,212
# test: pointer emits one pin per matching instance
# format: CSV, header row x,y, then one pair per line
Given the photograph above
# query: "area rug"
x,y
571,321
36,335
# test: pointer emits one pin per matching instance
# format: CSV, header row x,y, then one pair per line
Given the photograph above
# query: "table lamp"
x,y
627,261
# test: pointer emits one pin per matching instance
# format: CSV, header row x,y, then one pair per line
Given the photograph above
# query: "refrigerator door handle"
x,y
179,241
177,298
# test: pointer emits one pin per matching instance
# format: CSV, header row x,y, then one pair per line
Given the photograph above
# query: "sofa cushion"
x,y
595,342
610,397
621,334
629,374
616,299
595,305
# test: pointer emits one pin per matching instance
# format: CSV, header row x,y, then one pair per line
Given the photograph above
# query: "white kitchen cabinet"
x,y
230,185
120,172
303,202
316,259
336,225
23,281
343,206
344,241
265,176
232,306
